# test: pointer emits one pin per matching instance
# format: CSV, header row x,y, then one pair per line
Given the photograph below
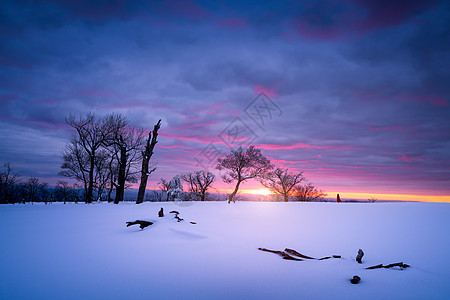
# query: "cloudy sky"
x,y
356,93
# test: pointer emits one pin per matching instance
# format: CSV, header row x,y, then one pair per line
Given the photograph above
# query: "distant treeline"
x,y
14,190
106,155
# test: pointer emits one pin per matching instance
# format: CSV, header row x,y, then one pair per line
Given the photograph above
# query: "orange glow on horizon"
x,y
400,197
264,192
361,196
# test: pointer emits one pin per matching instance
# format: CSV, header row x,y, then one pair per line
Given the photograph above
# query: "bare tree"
x,y
75,163
146,155
243,164
308,192
127,143
199,182
34,191
8,180
282,182
81,155
164,186
62,191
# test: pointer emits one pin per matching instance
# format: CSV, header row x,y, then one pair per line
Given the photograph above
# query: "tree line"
x,y
106,155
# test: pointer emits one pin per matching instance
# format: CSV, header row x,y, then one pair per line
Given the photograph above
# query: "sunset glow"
x,y
264,192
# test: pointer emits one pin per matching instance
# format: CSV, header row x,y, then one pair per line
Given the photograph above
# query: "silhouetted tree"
x,y
282,182
243,164
199,182
164,186
8,181
308,192
146,156
81,155
128,143
34,191
64,192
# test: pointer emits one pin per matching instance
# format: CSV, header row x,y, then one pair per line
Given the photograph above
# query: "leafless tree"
x,y
282,182
243,164
164,186
81,155
199,182
146,156
308,192
127,143
62,191
75,163
34,191
8,181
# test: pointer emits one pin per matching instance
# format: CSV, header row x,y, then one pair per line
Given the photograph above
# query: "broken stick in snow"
x,y
399,264
293,252
290,253
142,224
280,253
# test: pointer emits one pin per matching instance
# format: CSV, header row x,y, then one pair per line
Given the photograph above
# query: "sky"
x,y
352,93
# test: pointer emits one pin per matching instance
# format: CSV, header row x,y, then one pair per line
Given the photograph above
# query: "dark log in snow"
x,y
356,279
161,213
284,255
293,252
399,264
142,224
193,222
359,256
174,212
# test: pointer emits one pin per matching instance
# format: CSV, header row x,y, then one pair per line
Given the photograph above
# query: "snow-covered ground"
x,y
78,251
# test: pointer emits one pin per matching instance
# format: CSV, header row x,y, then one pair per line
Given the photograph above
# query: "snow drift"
x,y
78,251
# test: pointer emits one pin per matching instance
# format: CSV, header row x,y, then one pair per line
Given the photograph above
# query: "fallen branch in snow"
x,y
293,252
176,215
399,264
284,255
290,253
142,224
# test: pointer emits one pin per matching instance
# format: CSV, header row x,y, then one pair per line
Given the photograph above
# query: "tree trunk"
x,y
110,191
203,196
234,193
285,198
91,180
144,178
120,188
146,155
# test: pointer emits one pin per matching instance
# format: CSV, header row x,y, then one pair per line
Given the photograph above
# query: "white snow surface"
x,y
79,251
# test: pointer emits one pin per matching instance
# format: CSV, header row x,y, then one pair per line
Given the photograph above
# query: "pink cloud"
x,y
258,89
197,139
410,158
305,146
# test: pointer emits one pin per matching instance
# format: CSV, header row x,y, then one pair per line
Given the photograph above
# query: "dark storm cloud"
x,y
363,85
